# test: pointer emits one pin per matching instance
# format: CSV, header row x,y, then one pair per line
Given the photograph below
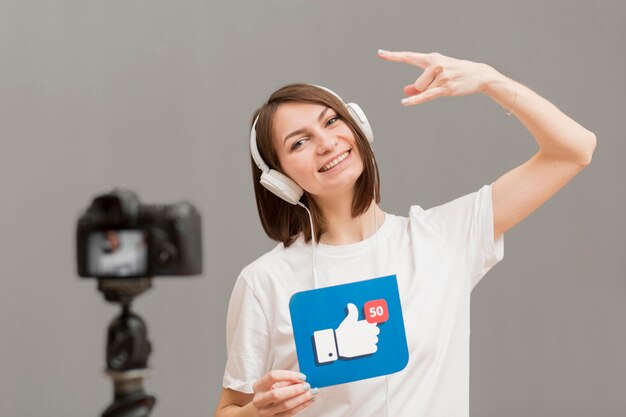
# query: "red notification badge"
x,y
376,311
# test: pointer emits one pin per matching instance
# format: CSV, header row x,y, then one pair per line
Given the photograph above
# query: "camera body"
x,y
118,237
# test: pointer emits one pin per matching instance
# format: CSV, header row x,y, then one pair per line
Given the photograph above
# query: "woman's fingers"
x,y
296,410
410,90
425,87
291,403
427,95
282,399
428,78
270,388
412,58
281,384
277,375
279,395
442,76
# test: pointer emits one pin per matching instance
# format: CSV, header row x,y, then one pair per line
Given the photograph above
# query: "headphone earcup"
x,y
359,116
282,186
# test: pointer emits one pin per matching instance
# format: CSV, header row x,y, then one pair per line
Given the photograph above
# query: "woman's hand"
x,y
442,76
282,393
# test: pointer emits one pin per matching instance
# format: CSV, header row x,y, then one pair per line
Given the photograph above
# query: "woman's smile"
x,y
337,164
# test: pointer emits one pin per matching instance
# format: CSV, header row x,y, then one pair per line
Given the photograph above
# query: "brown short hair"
x,y
281,220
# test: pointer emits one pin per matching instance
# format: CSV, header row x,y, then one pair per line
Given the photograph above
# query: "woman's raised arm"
x,y
565,147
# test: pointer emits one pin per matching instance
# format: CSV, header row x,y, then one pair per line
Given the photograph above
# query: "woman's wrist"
x,y
492,80
499,88
249,410
234,410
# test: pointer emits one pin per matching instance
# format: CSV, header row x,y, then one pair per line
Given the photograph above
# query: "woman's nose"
x,y
326,141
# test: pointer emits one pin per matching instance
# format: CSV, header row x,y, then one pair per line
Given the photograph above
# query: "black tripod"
x,y
127,350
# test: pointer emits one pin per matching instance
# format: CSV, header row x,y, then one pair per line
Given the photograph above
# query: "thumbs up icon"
x,y
353,338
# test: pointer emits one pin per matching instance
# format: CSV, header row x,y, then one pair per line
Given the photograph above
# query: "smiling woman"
x,y
311,150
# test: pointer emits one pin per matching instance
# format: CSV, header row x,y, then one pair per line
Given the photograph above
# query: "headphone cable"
x,y
314,248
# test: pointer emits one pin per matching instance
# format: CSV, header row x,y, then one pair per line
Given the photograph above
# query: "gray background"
x,y
157,96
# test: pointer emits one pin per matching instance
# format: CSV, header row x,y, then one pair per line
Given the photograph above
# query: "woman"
x,y
438,255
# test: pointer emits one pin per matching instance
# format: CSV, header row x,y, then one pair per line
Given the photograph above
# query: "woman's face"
x,y
316,149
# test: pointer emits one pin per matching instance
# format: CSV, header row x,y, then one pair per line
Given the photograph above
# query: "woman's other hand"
x,y
442,76
282,393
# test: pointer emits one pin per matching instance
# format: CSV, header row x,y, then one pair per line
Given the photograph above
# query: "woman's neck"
x,y
341,227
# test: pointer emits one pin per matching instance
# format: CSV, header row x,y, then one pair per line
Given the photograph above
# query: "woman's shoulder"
x,y
277,258
264,261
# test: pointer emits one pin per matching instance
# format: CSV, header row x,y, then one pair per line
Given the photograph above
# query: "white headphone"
x,y
280,184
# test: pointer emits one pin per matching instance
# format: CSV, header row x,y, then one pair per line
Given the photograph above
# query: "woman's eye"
x,y
334,118
296,144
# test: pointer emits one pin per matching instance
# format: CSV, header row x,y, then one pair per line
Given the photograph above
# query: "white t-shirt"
x,y
438,256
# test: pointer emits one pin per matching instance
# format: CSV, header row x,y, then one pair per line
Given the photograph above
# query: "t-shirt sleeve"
x,y
247,339
467,223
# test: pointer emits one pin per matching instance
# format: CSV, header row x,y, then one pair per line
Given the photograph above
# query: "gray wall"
x,y
157,96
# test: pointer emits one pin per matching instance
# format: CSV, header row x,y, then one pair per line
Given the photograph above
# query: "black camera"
x,y
118,237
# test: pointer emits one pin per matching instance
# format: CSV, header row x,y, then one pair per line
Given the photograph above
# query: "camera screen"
x,y
117,253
